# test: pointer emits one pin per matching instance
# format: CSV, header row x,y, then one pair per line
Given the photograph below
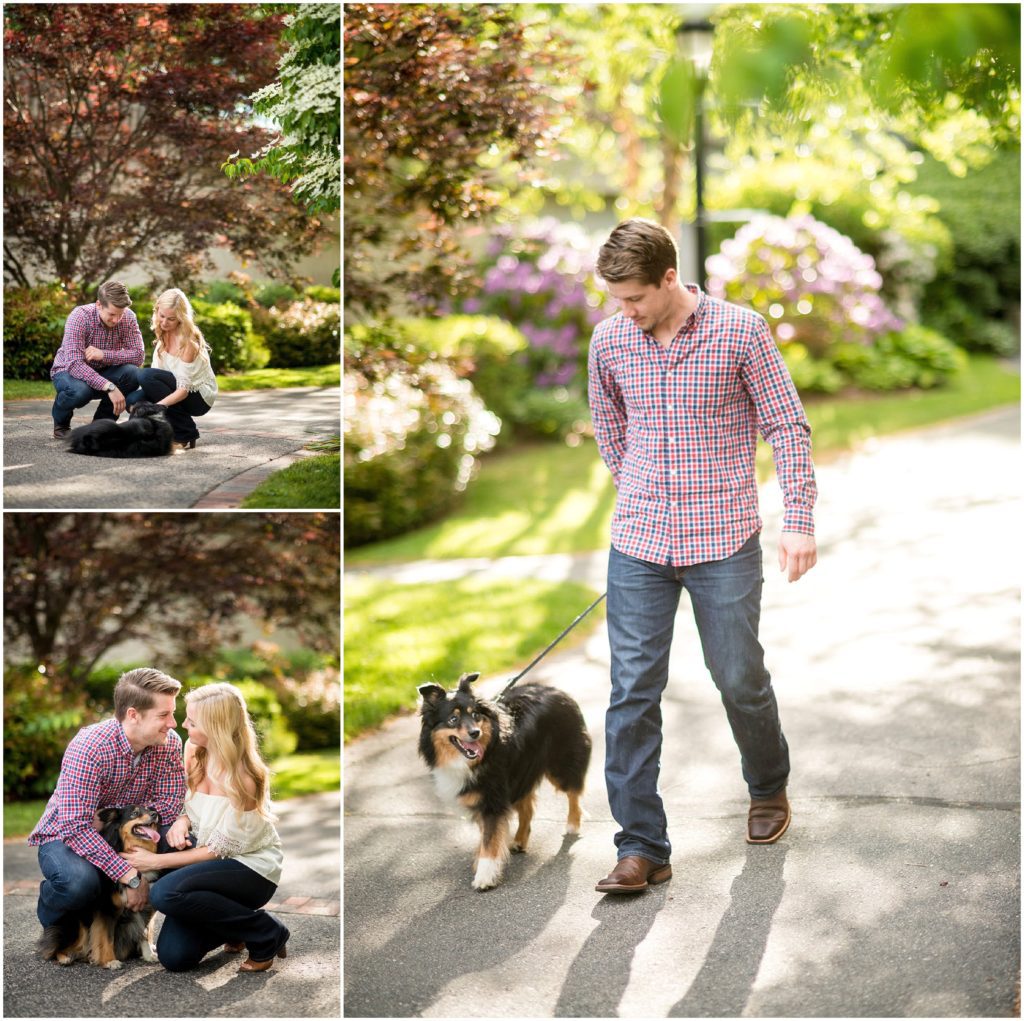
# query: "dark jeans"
x,y
211,903
73,393
70,883
642,603
155,385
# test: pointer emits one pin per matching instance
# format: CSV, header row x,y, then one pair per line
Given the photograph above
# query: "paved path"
x,y
246,436
306,984
896,890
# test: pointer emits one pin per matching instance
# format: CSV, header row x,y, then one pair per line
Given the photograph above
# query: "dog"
x,y
491,756
110,933
147,433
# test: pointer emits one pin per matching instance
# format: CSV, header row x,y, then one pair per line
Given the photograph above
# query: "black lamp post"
x,y
697,41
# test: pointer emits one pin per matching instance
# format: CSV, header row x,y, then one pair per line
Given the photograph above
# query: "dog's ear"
x,y
465,681
108,815
431,694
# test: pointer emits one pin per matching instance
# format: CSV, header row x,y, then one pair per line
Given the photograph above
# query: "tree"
x,y
306,103
116,119
75,585
440,101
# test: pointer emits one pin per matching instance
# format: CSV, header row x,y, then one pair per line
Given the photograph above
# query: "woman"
x,y
218,888
181,377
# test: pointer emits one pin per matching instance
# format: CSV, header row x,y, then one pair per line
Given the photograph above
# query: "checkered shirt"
x,y
677,428
121,344
97,773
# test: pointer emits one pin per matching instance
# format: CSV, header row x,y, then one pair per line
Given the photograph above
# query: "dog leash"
x,y
522,673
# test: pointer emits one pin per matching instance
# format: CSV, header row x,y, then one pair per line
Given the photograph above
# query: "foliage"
x,y
976,299
39,721
813,284
116,118
441,102
400,636
234,347
413,430
304,102
276,738
33,329
74,588
305,332
914,356
310,482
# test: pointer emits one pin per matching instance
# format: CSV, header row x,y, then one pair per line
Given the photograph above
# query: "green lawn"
x,y
550,498
312,483
257,379
294,775
400,636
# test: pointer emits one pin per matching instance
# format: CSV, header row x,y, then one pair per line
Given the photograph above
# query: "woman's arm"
x,y
143,860
172,398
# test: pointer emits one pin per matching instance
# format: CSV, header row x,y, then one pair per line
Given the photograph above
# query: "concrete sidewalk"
x,y
305,984
895,891
244,438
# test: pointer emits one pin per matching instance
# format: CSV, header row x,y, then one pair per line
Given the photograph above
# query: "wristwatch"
x,y
133,883
109,387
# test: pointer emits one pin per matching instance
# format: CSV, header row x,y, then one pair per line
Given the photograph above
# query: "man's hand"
x,y
138,898
177,835
93,355
117,399
798,552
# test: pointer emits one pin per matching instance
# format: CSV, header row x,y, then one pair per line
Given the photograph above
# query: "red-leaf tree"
x,y
116,120
76,585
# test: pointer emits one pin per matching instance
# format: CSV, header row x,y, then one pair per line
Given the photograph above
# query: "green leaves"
x,y
677,100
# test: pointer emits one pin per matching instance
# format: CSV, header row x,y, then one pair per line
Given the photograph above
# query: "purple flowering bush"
x,y
540,279
822,298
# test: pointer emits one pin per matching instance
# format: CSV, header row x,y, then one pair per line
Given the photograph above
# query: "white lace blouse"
x,y
195,376
245,836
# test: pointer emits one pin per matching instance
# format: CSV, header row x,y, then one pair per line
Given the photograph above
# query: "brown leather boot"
x,y
633,874
768,818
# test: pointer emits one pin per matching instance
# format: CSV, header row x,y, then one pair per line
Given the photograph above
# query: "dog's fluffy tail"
x,y
57,937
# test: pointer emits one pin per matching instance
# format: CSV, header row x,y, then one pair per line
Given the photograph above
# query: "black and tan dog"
x,y
491,756
109,932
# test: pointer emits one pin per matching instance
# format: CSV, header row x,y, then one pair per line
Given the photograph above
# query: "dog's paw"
x,y
113,965
517,847
65,959
148,952
572,830
488,874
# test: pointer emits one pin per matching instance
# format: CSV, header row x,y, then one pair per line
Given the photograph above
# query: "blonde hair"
x,y
190,333
136,690
231,747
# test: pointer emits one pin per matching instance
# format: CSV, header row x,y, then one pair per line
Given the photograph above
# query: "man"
x,y
99,357
133,759
679,384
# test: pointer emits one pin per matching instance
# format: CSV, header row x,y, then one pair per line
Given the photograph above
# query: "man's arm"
x,y
134,351
608,413
76,340
783,424
78,796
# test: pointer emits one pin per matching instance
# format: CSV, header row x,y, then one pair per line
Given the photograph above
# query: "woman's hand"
x,y
177,835
141,859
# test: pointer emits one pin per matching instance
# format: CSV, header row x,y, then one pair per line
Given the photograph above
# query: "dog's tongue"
x,y
149,833
474,746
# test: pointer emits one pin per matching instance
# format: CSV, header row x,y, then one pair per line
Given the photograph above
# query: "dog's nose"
x,y
474,733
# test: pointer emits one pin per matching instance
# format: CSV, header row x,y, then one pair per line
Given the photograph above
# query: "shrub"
x,y
542,282
38,724
275,293
813,285
33,329
220,292
303,333
275,736
913,357
413,430
315,292
234,347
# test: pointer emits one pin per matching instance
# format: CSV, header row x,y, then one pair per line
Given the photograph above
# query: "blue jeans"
x,y
642,603
74,393
155,385
210,903
70,883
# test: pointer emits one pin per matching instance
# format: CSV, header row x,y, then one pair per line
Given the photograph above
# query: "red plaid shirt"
x,y
121,344
97,773
677,428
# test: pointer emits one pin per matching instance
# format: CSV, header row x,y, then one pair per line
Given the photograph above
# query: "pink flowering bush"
x,y
812,284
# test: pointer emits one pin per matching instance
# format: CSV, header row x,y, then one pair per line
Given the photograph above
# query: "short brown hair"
x,y
114,293
637,249
136,690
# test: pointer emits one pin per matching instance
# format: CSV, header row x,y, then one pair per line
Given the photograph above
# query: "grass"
x,y
550,498
312,482
295,775
400,636
257,379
